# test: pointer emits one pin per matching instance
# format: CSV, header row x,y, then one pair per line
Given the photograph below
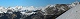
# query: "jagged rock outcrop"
x,y
57,10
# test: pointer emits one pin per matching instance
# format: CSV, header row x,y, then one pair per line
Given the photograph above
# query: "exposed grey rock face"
x,y
57,10
73,13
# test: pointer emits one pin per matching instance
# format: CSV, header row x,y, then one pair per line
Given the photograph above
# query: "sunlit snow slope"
x,y
73,13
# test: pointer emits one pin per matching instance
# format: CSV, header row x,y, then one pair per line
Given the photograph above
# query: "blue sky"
x,y
35,3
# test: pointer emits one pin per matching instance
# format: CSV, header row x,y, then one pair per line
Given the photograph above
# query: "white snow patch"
x,y
73,13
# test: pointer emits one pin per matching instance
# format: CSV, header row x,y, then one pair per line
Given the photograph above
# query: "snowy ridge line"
x,y
17,8
23,10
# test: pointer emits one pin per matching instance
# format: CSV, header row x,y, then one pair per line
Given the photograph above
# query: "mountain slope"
x,y
73,13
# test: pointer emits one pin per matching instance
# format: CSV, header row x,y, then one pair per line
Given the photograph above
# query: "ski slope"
x,y
73,13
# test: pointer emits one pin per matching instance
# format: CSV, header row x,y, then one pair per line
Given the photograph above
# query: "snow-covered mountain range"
x,y
23,12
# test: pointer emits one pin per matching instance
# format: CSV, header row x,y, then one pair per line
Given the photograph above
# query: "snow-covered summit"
x,y
17,8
